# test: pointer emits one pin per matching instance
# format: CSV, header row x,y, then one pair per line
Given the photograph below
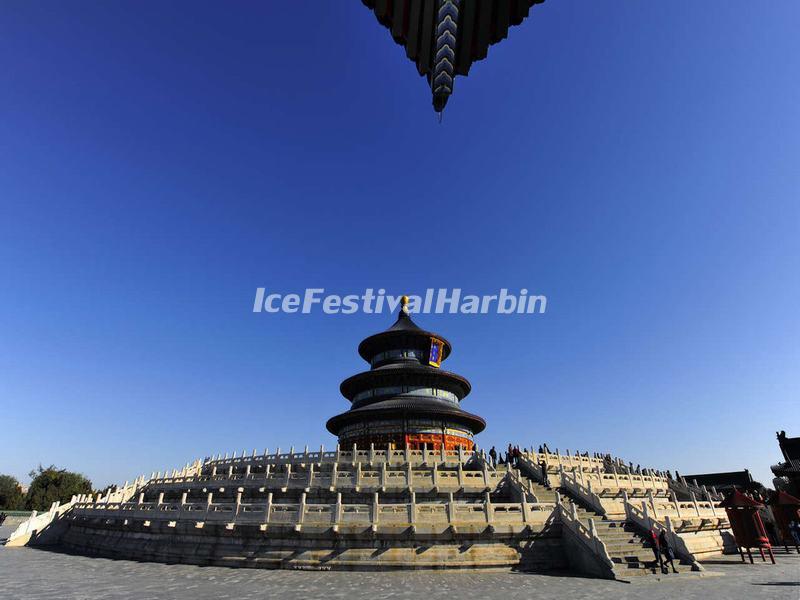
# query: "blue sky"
x,y
636,162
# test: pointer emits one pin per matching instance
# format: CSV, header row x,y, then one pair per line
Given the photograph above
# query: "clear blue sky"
x,y
637,162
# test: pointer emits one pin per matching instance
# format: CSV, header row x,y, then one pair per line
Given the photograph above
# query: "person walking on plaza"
x,y
656,550
667,551
794,531
493,456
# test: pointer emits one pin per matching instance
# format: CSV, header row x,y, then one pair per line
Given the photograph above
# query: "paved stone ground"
x,y
28,574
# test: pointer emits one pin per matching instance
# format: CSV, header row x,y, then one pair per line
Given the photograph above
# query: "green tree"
x,y
52,484
11,496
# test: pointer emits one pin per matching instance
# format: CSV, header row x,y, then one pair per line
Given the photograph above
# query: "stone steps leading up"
x,y
631,555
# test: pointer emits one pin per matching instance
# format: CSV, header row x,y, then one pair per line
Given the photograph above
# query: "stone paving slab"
x,y
31,574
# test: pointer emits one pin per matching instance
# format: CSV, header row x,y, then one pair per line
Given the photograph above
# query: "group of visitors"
x,y
511,456
662,550
513,453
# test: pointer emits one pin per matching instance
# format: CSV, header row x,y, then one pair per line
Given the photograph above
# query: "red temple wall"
x,y
415,441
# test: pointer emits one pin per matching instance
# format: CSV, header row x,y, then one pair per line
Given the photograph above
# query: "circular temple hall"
x,y
406,398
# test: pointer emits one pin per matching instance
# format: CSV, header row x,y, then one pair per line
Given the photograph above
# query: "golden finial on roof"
x,y
404,304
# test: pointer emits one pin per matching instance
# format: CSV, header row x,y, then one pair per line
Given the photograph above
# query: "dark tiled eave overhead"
x,y
481,23
444,38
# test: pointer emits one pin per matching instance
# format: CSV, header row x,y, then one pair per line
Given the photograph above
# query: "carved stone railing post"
x,y
694,501
526,510
268,510
451,517
674,500
301,512
337,517
376,508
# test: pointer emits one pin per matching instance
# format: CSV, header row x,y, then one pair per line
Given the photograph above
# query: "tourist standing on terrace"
x,y
493,456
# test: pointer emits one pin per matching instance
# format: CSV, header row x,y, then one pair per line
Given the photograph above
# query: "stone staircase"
x,y
631,554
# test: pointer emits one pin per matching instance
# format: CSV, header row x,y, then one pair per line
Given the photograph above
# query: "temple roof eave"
x,y
415,375
390,340
473,422
404,333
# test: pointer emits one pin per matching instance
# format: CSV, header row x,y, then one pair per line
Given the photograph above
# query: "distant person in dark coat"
x,y
667,551
794,531
493,456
